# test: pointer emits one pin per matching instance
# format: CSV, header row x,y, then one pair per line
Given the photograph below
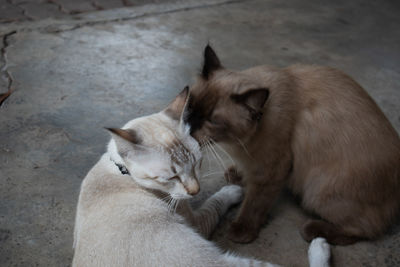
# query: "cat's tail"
x,y
319,253
333,234
236,261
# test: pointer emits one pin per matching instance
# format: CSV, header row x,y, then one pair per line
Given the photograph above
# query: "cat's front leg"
x,y
207,217
262,188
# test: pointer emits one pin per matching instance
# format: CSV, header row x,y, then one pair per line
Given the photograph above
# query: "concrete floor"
x,y
74,74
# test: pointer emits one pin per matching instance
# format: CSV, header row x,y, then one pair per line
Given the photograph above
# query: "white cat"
x,y
126,210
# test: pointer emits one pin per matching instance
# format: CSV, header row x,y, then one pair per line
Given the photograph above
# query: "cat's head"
x,y
224,105
159,152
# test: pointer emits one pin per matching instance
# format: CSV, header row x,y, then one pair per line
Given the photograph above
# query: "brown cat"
x,y
311,128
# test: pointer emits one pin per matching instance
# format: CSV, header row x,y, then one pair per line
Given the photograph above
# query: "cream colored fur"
x,y
119,223
122,221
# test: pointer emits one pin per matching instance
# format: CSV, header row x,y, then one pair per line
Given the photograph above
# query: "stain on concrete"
x,y
4,235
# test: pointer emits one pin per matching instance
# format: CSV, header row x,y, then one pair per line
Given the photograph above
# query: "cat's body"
x,y
319,133
121,224
126,219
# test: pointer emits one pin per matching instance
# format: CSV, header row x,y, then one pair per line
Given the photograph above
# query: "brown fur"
x,y
319,133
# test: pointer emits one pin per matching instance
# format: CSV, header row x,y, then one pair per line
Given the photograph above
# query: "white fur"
x,y
319,253
121,223
233,193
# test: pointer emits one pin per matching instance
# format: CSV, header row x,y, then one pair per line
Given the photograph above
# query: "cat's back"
x,y
114,215
330,98
340,129
328,85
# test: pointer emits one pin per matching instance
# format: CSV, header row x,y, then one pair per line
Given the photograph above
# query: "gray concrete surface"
x,y
74,74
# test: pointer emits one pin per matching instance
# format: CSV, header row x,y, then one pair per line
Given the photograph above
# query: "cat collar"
x,y
121,168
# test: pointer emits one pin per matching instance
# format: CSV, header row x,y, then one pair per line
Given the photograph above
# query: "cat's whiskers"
x,y
224,151
165,198
218,157
243,146
176,205
208,147
207,156
170,203
202,144
212,173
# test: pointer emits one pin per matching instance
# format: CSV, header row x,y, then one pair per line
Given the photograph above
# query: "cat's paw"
x,y
232,176
239,233
233,193
319,253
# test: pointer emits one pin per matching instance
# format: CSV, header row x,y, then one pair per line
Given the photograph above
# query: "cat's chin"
x,y
180,197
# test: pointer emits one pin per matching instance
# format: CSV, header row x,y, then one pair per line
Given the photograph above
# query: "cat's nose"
x,y
193,191
192,187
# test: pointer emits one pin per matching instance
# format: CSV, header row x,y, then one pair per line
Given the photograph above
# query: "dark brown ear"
x,y
254,98
176,108
129,135
211,62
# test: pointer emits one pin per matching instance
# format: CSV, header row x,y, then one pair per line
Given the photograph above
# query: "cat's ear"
x,y
128,135
176,109
253,98
125,140
211,62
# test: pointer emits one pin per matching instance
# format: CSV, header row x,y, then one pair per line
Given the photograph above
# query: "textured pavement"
x,y
76,68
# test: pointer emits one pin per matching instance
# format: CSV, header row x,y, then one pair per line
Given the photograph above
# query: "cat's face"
x,y
159,152
225,106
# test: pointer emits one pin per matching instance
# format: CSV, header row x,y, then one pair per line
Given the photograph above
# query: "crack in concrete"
x,y
3,51
157,13
23,10
59,6
73,22
4,68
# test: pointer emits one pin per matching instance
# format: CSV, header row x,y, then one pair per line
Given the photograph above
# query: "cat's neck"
x,y
113,152
117,166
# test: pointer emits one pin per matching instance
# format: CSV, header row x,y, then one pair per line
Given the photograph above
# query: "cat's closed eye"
x,y
176,177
